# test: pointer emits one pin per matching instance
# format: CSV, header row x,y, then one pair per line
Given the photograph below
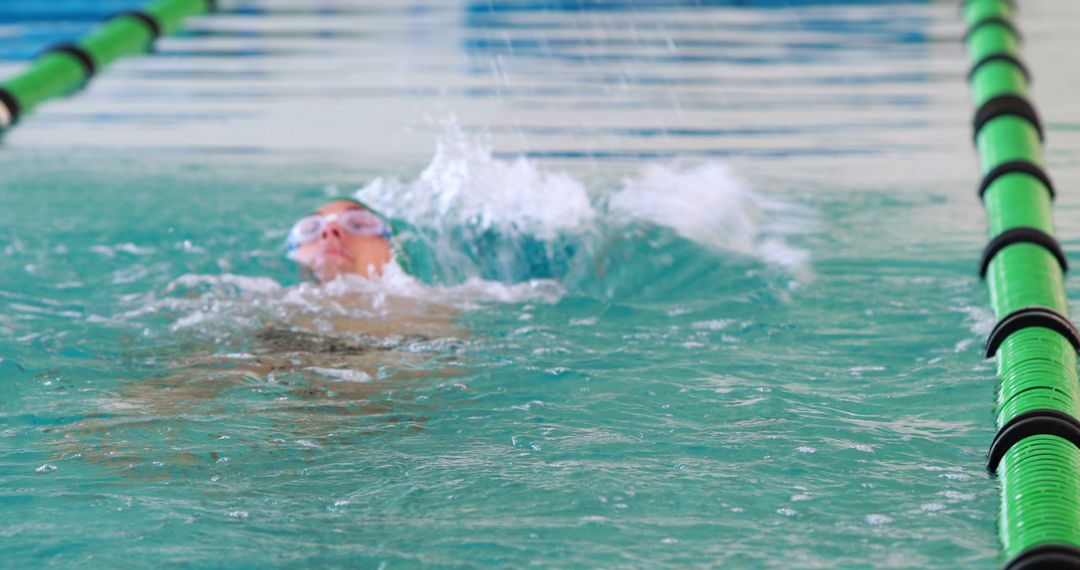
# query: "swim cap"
x,y
366,207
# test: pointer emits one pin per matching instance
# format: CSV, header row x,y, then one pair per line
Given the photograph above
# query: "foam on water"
x,y
479,215
465,186
219,303
711,205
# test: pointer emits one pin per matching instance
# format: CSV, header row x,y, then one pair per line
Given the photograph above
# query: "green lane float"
x,y
65,68
1036,452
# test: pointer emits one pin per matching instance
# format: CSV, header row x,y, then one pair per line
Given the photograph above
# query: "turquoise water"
x,y
700,289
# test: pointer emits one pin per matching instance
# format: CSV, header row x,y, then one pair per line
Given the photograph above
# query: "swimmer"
x,y
322,367
343,237
346,238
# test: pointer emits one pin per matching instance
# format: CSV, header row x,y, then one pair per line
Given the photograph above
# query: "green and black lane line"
x,y
64,68
1036,452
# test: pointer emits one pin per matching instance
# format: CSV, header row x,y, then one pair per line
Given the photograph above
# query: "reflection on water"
x,y
577,80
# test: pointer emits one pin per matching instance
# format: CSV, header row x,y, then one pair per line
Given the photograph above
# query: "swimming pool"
x,y
712,272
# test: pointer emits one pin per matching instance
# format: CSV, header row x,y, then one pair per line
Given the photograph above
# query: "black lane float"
x,y
1036,452
66,67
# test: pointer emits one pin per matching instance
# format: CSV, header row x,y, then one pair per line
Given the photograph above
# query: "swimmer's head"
x,y
342,237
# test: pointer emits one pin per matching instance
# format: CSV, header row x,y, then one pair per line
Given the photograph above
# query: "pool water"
x,y
696,288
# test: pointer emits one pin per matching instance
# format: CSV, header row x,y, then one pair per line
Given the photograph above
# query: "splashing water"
x,y
479,229
710,205
469,214
228,306
465,186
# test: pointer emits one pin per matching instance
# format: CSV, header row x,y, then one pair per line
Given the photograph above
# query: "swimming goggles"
x,y
361,223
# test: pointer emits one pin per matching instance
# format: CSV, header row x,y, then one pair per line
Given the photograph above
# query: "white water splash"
x,y
215,302
395,283
711,205
980,319
465,185
493,221
346,374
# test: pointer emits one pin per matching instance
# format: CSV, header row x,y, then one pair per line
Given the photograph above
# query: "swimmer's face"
x,y
341,245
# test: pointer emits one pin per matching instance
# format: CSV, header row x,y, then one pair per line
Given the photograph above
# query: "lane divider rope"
x,y
1028,317
1036,451
1000,57
1006,105
79,54
993,21
52,74
1017,167
1022,235
9,108
1037,422
149,21
1047,557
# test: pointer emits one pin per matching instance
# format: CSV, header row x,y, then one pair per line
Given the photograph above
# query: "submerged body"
x,y
365,327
